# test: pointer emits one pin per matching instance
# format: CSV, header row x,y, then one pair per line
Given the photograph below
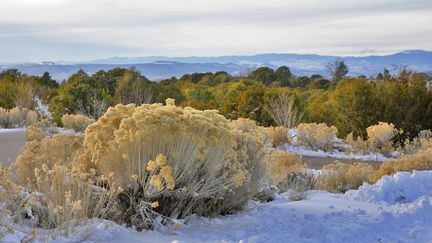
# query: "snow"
x,y
301,150
42,108
403,187
369,214
295,148
12,130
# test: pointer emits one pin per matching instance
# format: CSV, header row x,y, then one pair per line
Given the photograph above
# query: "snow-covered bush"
x,y
280,164
76,122
317,136
278,135
380,137
340,177
171,161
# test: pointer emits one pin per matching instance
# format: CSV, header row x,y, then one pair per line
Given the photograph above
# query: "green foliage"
x,y
349,104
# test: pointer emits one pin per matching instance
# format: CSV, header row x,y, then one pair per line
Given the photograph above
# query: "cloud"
x,y
81,30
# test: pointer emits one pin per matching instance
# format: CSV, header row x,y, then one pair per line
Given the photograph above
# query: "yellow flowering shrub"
x,y
278,135
317,136
422,160
17,117
60,149
250,156
181,157
380,136
340,177
76,122
69,197
280,163
35,133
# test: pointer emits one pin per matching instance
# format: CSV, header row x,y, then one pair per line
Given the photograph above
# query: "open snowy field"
x,y
396,209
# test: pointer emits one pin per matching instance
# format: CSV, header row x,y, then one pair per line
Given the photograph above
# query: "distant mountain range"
x,y
160,67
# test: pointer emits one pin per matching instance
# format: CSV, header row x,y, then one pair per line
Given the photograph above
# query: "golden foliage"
x,y
380,136
17,117
280,164
278,135
76,122
35,133
60,149
419,161
159,152
340,177
317,136
251,151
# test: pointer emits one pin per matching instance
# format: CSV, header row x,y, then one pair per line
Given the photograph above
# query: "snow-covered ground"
x,y
396,209
295,148
301,150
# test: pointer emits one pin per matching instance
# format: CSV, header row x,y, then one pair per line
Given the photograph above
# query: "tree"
x,y
284,111
337,69
264,74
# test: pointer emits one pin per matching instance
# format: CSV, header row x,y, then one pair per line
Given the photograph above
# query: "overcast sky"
x,y
76,30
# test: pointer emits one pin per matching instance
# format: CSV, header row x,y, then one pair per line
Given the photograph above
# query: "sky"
x,y
82,30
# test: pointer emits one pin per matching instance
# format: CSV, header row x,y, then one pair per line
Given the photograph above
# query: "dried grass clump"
x,y
422,142
278,135
340,177
76,122
419,161
280,164
182,158
317,136
35,133
298,183
60,149
380,137
17,117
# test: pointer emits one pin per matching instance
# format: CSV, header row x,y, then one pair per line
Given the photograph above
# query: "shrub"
x,y
278,135
340,177
76,122
68,197
35,133
17,117
316,136
357,144
181,158
380,137
298,183
60,149
422,142
280,164
250,153
419,161
3,118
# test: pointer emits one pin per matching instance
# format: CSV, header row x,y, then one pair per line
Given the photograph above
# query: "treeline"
x,y
351,104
